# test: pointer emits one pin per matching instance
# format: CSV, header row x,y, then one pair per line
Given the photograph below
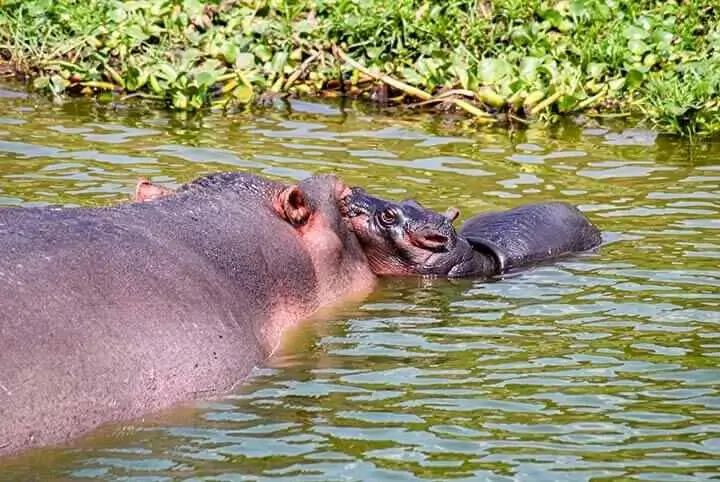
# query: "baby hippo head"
x,y
407,239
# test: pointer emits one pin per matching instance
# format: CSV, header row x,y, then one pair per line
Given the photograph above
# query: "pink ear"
x,y
292,205
147,191
429,238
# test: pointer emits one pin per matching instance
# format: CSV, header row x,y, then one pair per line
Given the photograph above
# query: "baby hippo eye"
x,y
388,217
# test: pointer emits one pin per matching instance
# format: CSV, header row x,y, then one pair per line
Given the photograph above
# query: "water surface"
x,y
603,367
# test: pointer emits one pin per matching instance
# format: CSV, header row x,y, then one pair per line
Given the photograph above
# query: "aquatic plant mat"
x,y
493,61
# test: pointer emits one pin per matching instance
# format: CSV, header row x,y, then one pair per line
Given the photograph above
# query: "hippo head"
x,y
337,254
313,209
407,239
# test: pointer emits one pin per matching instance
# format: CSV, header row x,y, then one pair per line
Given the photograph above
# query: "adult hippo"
x,y
405,238
110,313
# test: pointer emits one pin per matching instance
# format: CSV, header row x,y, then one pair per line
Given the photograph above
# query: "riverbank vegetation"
x,y
493,60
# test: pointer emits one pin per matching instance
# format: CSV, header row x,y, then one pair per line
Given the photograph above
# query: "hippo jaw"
x,y
407,239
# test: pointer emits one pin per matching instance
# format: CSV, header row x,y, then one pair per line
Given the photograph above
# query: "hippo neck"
x,y
240,237
474,262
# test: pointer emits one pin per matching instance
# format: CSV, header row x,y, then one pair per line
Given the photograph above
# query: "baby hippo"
x,y
405,238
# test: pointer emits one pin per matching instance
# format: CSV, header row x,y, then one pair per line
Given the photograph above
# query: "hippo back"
x,y
531,233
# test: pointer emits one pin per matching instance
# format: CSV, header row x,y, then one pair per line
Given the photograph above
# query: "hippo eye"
x,y
388,217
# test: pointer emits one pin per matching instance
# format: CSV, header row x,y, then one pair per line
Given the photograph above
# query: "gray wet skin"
x,y
532,233
407,239
110,313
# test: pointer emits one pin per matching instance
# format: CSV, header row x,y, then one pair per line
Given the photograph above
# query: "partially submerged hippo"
x,y
109,313
405,238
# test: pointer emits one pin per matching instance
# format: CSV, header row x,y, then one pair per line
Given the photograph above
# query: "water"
x,y
595,368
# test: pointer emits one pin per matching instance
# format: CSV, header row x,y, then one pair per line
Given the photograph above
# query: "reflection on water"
x,y
601,367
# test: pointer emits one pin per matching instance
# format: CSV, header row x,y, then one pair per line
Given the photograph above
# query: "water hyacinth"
x,y
501,60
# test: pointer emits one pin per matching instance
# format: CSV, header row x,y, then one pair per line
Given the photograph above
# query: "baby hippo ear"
x,y
451,214
147,191
292,205
429,238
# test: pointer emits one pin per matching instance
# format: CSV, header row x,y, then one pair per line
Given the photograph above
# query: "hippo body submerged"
x,y
110,313
531,233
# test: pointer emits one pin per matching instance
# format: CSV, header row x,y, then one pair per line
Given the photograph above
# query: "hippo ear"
x,y
451,214
147,191
429,238
292,205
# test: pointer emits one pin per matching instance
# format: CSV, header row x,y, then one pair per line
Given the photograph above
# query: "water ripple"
x,y
600,367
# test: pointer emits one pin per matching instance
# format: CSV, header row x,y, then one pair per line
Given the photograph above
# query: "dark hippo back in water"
x,y
532,233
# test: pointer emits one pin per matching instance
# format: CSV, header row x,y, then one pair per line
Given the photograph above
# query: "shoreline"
x,y
509,63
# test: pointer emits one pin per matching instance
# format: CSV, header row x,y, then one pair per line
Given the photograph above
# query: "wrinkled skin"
x,y
110,313
532,233
405,238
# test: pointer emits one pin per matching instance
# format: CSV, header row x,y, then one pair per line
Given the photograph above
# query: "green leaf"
x,y
426,67
579,8
597,69
179,101
492,70
650,60
566,102
41,83
636,75
550,69
197,101
230,52
412,77
529,68
635,33
373,52
303,26
136,33
58,84
616,84
193,7
168,72
118,15
243,94
553,17
460,71
637,47
259,27
207,78
278,62
263,53
663,40
245,61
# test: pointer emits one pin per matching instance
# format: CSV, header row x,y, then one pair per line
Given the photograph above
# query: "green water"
x,y
604,367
